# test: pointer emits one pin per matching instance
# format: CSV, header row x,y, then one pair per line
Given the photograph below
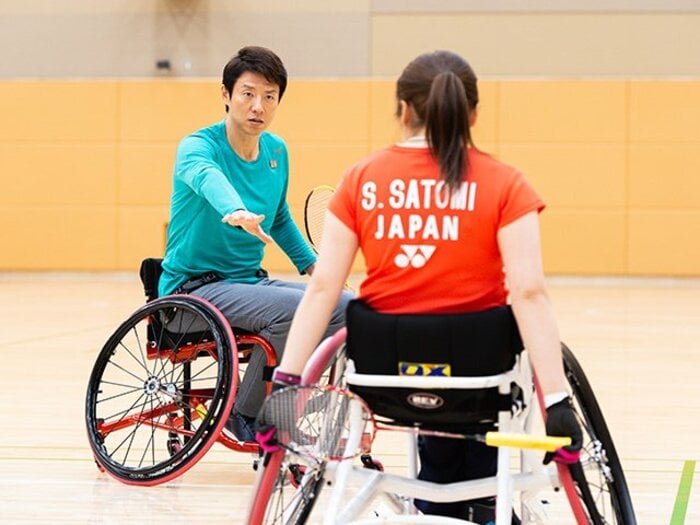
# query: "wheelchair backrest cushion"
x,y
465,344
150,271
471,344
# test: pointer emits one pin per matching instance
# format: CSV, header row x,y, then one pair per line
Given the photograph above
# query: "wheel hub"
x,y
153,386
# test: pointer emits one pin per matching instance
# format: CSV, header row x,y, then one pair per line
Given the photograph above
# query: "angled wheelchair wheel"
x,y
599,479
161,390
288,486
286,491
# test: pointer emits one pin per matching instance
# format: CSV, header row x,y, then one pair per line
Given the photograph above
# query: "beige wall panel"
x,y
276,261
319,164
324,111
562,111
140,234
167,110
585,242
58,111
573,175
486,127
58,238
55,174
383,124
384,127
665,175
145,173
126,38
378,145
664,242
543,44
665,111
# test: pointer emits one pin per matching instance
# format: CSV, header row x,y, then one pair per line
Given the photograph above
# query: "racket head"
x,y
315,207
315,421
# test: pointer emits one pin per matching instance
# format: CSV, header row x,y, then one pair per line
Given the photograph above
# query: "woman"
x,y
438,221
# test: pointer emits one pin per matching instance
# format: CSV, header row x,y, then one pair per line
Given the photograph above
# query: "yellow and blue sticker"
x,y
424,369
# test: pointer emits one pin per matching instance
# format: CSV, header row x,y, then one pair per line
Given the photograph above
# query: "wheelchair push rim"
x,y
598,483
161,390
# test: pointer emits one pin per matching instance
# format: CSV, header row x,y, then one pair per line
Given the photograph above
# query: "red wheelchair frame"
x,y
163,386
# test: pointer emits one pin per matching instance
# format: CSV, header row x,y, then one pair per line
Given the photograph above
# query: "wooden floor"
x,y
638,340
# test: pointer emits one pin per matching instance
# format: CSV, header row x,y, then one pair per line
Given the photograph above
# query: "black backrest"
x,y
472,344
150,271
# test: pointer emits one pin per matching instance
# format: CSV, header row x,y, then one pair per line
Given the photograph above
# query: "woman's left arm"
x,y
338,248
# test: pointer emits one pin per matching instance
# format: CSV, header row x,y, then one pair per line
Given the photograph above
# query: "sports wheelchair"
x,y
164,385
494,386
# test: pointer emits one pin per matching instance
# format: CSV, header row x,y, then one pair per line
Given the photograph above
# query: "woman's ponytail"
x,y
447,127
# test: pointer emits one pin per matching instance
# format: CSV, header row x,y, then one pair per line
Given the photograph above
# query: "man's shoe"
x,y
240,427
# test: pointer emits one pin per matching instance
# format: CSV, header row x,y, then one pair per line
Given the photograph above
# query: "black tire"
x,y
288,487
599,479
161,390
295,487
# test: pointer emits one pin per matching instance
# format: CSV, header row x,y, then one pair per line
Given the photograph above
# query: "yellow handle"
x,y
505,439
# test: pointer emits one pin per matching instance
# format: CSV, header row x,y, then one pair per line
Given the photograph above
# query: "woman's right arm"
x,y
519,242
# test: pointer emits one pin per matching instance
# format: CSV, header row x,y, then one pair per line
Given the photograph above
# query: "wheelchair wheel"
x,y
286,491
161,390
599,479
287,486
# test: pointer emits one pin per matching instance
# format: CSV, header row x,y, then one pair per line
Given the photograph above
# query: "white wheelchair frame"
x,y
534,475
527,480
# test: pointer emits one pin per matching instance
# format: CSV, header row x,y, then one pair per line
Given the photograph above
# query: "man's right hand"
x,y
250,222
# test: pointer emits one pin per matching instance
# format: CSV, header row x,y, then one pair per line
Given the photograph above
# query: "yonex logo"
x,y
415,255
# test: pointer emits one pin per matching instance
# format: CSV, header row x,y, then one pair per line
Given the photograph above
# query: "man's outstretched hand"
x,y
250,222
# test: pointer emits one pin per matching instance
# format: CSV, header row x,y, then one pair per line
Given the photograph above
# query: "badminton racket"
x,y
315,208
315,422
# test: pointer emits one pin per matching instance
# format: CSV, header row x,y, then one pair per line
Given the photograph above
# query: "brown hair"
x,y
441,88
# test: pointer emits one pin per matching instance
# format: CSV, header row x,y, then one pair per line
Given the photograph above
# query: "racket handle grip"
x,y
506,439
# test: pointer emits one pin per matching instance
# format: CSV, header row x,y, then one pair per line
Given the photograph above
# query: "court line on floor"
x,y
681,505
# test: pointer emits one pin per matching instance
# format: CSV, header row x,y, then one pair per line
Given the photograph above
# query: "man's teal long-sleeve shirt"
x,y
210,181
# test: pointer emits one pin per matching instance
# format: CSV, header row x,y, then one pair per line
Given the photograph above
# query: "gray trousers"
x,y
265,308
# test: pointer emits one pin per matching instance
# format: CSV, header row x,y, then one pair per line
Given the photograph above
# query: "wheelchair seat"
x,y
150,272
437,371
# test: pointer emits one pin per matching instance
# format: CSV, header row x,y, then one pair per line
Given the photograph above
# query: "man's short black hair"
x,y
259,60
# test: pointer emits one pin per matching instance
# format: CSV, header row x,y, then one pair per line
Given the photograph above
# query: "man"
x,y
229,200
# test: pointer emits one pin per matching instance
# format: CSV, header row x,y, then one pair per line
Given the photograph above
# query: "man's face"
x,y
252,103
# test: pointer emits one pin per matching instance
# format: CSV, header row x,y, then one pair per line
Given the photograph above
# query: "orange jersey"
x,y
426,250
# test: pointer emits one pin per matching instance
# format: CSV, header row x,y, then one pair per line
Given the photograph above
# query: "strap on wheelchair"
x,y
267,372
192,284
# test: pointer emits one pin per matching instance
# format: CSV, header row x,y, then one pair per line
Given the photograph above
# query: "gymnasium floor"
x,y
637,339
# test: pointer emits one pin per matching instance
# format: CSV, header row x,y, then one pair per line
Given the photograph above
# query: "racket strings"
x,y
311,421
315,213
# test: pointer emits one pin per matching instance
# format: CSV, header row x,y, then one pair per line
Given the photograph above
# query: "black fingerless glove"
x,y
562,421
